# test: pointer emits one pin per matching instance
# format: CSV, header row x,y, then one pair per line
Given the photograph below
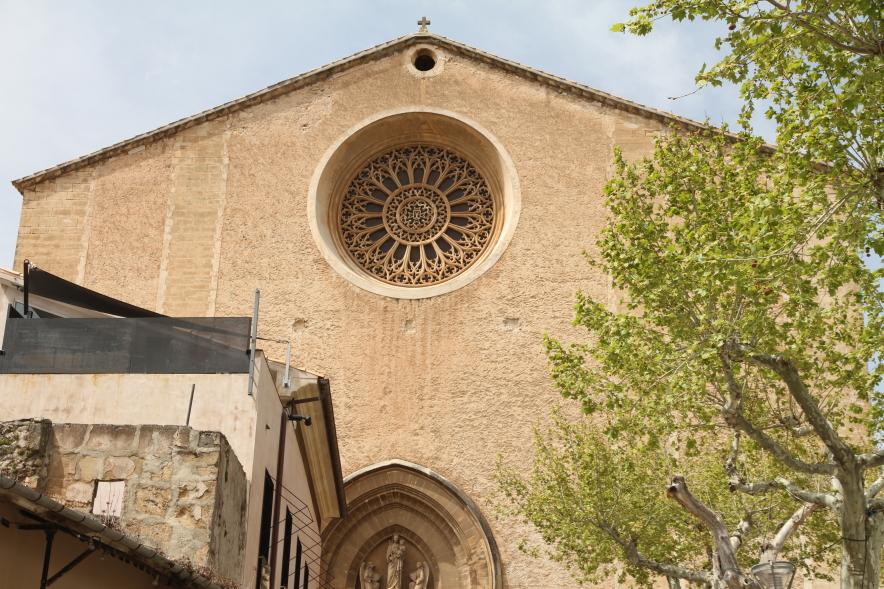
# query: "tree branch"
x,y
875,505
772,446
742,528
771,549
783,368
636,558
871,459
875,487
729,569
737,483
803,19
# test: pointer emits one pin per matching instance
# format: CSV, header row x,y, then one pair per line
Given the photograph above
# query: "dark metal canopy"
x,y
42,283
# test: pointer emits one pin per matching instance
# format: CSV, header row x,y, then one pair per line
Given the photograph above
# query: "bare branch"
x,y
636,558
787,372
875,487
771,549
780,483
872,459
732,412
875,505
742,528
776,449
736,481
729,569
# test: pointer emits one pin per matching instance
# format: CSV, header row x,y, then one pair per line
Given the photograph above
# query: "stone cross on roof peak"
x,y
423,23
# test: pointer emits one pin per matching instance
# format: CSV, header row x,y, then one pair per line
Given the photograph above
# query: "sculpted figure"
x,y
395,559
419,576
369,578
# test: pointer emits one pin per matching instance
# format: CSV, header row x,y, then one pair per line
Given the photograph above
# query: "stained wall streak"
x,y
191,247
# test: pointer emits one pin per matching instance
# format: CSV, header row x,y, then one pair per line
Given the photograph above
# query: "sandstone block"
x,y
79,494
154,472
118,467
153,500
111,438
90,468
68,436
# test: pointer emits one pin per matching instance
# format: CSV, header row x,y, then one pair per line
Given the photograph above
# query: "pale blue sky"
x,y
78,75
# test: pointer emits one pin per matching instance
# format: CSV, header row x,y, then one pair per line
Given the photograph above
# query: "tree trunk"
x,y
725,568
862,536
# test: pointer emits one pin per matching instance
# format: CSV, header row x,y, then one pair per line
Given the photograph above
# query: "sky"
x,y
78,75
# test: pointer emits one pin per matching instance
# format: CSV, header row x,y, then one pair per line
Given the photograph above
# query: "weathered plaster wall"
x,y
448,382
294,485
220,402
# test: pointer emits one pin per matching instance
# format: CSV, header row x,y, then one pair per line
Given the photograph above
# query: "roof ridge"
x,y
320,73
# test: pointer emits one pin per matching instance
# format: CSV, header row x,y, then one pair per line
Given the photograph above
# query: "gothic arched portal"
x,y
439,527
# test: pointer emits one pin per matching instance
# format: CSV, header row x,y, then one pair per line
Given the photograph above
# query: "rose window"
x,y
416,215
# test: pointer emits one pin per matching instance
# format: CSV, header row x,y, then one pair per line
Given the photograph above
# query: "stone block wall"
x,y
184,490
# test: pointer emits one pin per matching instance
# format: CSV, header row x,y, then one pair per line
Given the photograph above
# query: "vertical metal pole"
x,y
47,554
253,344
190,405
26,270
286,382
277,499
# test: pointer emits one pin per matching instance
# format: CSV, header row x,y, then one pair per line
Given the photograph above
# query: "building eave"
x,y
128,546
368,55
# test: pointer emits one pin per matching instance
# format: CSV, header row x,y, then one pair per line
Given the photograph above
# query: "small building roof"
x,y
121,545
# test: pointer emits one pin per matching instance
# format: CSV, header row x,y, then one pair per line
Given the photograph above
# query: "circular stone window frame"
x,y
398,128
438,56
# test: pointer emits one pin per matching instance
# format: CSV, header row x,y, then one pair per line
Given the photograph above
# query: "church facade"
x,y
414,218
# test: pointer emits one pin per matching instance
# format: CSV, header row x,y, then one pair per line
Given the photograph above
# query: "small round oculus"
x,y
416,216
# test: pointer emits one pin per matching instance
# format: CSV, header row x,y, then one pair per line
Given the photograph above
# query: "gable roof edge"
x,y
371,54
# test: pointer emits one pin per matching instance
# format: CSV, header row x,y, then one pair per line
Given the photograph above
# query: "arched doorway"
x,y
402,513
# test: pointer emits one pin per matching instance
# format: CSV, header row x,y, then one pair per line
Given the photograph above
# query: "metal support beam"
x,y
66,568
25,275
47,554
253,342
286,381
190,405
308,400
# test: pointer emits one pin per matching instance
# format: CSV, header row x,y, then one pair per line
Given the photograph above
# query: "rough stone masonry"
x,y
184,491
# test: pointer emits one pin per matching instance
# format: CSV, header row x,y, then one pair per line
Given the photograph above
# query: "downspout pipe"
x,y
26,286
277,496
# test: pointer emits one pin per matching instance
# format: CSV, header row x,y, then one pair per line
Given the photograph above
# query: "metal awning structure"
x,y
41,283
51,517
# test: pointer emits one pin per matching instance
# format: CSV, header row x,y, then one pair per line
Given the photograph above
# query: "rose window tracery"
x,y
416,215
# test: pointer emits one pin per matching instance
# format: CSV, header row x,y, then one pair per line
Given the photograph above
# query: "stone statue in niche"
x,y
419,576
369,578
395,560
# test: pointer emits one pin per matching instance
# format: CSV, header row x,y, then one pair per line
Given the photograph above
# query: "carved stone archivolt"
x,y
408,528
417,215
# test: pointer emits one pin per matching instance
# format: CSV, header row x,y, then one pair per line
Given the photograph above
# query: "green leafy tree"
x,y
731,359
816,67
744,350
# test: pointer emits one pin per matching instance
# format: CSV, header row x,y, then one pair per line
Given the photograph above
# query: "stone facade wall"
x,y
450,382
185,491
23,450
